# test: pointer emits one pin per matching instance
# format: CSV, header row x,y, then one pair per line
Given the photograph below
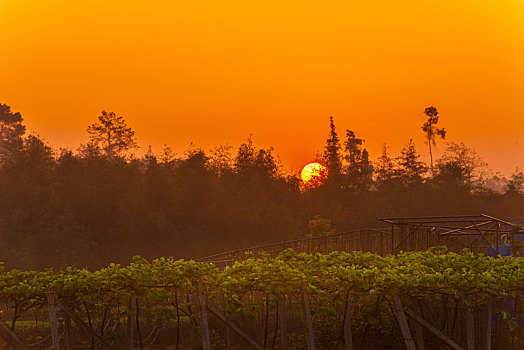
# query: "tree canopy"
x,y
99,204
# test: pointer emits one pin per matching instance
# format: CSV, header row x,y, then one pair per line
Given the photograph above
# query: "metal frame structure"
x,y
369,240
480,233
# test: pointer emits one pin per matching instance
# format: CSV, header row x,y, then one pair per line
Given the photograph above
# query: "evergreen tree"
x,y
384,167
149,158
359,171
168,156
332,155
411,169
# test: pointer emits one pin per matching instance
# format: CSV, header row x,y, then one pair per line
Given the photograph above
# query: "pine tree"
x,y
359,171
332,155
384,167
112,135
411,169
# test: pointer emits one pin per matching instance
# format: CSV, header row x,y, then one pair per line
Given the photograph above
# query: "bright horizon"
x,y
213,73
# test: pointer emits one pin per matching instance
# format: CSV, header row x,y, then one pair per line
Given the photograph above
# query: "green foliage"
x,y
429,275
163,288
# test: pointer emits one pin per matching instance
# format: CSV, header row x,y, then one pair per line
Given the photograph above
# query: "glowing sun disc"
x,y
312,171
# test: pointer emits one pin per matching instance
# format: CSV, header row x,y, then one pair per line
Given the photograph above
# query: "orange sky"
x,y
213,72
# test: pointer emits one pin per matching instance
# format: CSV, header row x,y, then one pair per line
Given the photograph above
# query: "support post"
x,y
392,239
403,323
419,334
489,315
470,329
433,330
52,320
348,336
8,334
80,323
69,333
309,323
130,323
282,310
204,324
234,327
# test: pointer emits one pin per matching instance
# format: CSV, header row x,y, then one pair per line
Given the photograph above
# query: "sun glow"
x,y
312,172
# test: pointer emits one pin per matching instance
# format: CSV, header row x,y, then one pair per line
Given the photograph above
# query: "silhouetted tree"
x,y
221,160
104,207
168,156
149,158
251,163
516,182
410,169
11,131
359,171
467,165
431,131
384,167
450,176
111,134
192,181
332,157
36,153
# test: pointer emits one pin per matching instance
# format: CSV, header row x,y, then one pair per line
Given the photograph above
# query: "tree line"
x,y
101,204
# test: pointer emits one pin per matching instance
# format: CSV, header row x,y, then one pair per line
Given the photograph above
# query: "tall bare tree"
x,y
431,131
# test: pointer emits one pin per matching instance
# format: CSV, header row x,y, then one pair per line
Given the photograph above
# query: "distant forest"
x,y
101,204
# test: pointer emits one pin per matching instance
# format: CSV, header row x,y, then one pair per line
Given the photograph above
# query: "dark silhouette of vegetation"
x,y
332,157
101,204
516,182
11,131
431,131
411,169
111,135
359,171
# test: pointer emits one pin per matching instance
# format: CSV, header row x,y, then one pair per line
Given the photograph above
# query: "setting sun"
x,y
312,171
